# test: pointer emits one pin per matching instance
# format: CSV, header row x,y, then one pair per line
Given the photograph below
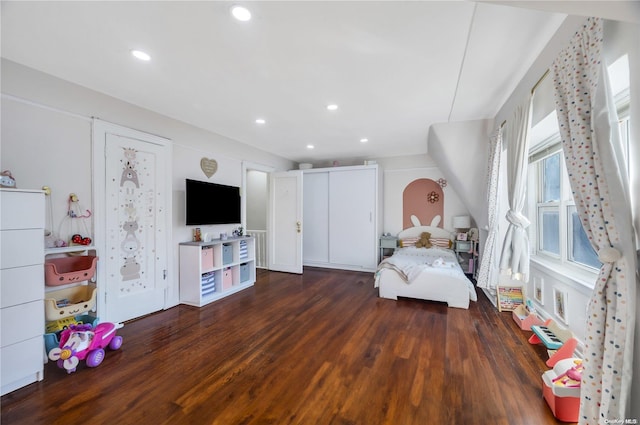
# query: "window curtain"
x,y
488,272
597,172
514,260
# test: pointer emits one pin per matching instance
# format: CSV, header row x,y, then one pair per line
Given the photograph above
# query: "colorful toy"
x,y
572,377
60,324
561,388
80,342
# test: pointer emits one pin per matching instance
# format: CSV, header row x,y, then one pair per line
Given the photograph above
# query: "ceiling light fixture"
x,y
260,121
310,146
332,107
139,54
241,13
364,140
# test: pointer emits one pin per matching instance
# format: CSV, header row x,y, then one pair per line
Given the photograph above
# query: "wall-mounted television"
x,y
212,203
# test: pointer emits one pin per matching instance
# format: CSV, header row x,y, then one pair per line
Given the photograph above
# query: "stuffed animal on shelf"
x,y
424,241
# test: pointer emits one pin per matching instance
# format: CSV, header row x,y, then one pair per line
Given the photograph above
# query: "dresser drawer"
x,y
21,322
21,210
22,248
21,364
21,285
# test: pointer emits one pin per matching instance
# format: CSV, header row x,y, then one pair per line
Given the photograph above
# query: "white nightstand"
x,y
388,244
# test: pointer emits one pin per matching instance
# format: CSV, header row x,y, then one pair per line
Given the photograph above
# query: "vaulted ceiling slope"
x,y
393,68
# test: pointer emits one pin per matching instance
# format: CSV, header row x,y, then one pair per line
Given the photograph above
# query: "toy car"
x,y
80,342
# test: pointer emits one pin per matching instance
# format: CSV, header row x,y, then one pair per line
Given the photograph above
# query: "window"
x,y
559,232
556,227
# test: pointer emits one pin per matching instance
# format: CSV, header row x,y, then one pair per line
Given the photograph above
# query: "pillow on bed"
x,y
408,242
441,242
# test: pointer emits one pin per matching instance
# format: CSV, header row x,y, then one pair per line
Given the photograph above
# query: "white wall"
x,y
461,150
394,182
44,145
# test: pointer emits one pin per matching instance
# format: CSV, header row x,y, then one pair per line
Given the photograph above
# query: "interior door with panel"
x,y
285,222
133,232
352,218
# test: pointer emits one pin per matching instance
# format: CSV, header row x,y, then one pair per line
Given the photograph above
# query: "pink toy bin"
x,y
60,271
564,401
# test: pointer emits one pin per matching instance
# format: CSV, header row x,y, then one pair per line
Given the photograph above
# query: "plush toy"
x,y
424,241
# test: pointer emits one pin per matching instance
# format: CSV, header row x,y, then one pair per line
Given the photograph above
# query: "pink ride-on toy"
x,y
80,342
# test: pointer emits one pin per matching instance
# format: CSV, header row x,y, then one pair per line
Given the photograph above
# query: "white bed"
x,y
425,273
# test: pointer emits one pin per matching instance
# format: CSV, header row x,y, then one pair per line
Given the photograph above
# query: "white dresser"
x,y
22,217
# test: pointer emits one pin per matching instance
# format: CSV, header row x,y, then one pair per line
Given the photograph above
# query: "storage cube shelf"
x,y
213,270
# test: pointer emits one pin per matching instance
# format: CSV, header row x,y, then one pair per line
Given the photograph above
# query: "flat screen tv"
x,y
212,203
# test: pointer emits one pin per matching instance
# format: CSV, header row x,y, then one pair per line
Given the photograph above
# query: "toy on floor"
x,y
561,389
572,377
80,342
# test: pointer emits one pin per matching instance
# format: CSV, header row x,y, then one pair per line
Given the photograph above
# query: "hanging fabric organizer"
x,y
74,228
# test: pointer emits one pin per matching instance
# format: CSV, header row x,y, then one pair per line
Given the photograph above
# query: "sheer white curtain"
x,y
515,250
599,182
488,272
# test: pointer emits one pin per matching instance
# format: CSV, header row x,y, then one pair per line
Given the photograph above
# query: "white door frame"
x,y
100,129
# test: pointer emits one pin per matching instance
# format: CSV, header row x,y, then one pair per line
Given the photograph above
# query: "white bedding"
x,y
425,273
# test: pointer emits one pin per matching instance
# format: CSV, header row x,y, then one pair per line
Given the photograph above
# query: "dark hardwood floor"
x,y
318,348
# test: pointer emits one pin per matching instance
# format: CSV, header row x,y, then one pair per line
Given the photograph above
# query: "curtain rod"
x,y
535,86
533,89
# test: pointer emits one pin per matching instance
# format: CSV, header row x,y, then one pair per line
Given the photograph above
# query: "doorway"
x,y
255,199
132,197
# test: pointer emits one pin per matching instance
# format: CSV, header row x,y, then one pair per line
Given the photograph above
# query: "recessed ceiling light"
x,y
332,107
364,140
241,13
143,56
310,146
260,121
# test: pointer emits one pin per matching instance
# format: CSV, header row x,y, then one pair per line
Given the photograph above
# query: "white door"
x,y
352,218
285,222
136,204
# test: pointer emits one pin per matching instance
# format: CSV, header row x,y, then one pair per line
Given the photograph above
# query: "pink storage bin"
x,y
60,271
207,258
227,278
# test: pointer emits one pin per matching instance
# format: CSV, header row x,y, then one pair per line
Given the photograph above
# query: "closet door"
x,y
315,218
352,218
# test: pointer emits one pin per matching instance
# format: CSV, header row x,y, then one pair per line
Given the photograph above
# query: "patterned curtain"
x,y
488,273
515,251
599,182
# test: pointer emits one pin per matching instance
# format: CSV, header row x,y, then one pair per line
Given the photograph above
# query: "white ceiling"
x,y
394,68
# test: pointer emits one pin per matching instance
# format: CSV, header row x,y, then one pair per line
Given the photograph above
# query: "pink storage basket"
x,y
60,271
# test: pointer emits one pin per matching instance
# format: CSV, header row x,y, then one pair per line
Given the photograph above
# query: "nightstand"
x,y
467,253
388,244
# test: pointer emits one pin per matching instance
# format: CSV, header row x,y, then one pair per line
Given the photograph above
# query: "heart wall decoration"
x,y
209,166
